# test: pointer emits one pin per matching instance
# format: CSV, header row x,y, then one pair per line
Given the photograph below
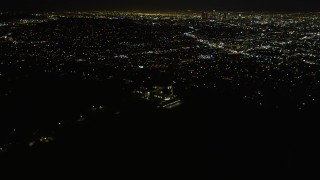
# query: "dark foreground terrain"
x,y
106,127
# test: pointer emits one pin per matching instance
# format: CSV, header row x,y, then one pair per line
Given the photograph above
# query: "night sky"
x,y
258,5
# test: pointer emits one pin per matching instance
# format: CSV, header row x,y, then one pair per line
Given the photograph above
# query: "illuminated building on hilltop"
x,y
163,96
162,93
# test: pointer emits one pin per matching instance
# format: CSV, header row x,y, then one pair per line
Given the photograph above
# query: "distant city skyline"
x,y
243,5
